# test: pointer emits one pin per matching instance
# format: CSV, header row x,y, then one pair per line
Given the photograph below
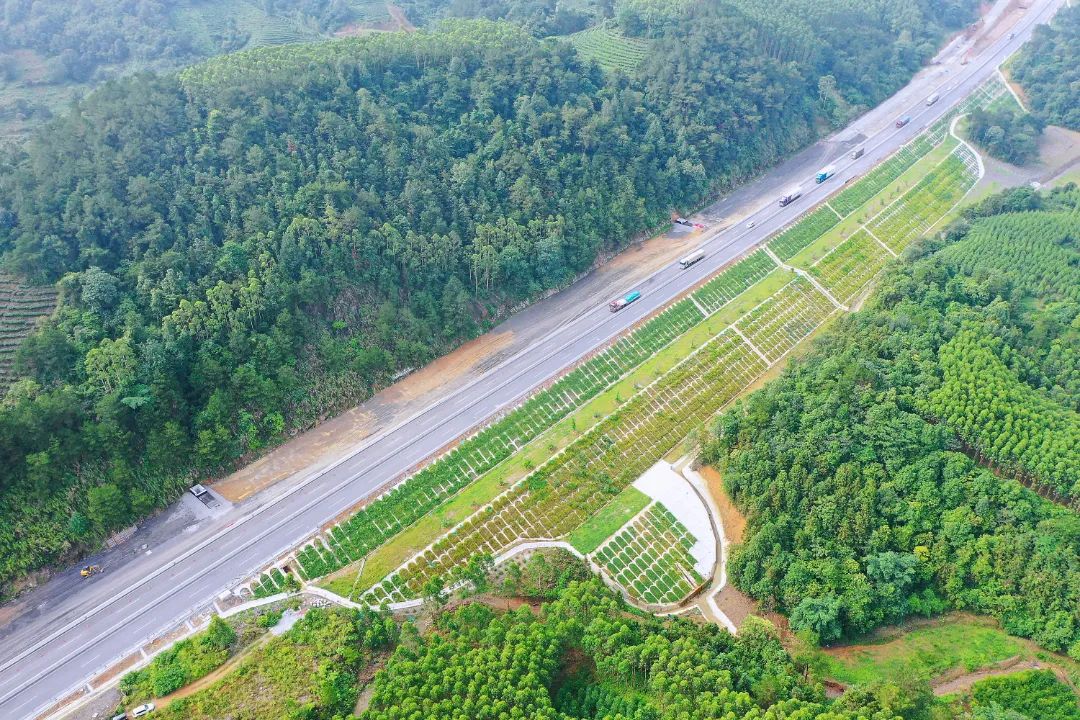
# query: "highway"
x,y
68,644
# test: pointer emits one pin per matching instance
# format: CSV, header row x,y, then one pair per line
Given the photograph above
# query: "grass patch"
x,y
924,652
611,517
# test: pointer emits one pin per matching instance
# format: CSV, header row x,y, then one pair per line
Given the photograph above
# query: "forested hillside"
x,y
884,475
268,237
846,71
1048,69
53,50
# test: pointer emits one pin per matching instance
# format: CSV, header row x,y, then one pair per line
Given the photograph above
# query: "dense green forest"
x,y
879,475
1008,133
1048,68
251,245
848,71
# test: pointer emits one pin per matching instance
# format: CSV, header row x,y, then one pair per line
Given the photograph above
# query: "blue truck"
x,y
617,305
825,173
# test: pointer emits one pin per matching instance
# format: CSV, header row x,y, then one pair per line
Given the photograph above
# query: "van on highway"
x,y
692,258
932,99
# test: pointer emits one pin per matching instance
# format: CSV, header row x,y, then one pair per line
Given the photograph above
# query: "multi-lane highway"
x,y
64,646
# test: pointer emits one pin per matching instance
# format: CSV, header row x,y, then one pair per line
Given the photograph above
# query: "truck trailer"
x,y
790,196
617,305
692,258
824,174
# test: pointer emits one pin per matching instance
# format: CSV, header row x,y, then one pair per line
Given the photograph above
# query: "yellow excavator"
x,y
90,570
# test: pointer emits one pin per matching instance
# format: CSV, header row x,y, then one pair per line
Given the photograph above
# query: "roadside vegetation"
x,y
309,672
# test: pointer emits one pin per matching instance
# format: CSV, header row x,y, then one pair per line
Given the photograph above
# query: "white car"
x,y
752,224
142,710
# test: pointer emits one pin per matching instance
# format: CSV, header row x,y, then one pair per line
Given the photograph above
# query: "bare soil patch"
x,y
448,367
118,669
333,438
1008,18
163,641
649,255
32,67
952,683
733,520
322,442
736,604
10,612
399,17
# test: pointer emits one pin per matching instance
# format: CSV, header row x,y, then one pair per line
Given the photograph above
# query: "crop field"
x,y
369,13
610,48
924,205
651,558
850,266
781,322
562,494
723,288
789,242
211,21
424,491
22,307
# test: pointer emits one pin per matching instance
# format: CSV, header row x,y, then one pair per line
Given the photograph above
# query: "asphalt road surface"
x,y
66,645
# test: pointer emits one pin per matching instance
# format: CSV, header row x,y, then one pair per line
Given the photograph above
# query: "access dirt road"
x,y
63,639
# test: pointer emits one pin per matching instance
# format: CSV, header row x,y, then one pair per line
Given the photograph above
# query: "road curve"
x,y
71,643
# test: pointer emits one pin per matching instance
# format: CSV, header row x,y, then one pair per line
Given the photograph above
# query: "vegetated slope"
x,y
861,507
309,672
54,50
585,657
1048,68
273,234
